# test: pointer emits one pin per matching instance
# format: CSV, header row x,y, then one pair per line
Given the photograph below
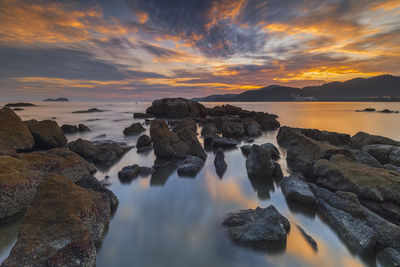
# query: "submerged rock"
x,y
262,228
14,135
219,163
191,166
62,227
297,189
91,110
135,128
259,164
176,108
103,153
308,238
47,134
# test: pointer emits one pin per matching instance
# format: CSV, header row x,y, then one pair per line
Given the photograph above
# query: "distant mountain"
x,y
375,88
60,99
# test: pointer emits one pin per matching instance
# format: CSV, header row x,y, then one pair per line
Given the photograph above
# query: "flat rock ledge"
x,y
260,228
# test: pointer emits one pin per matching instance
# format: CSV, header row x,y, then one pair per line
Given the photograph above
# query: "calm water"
x,y
167,220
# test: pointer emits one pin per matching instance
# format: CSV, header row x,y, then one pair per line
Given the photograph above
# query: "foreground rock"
x,y
62,227
103,153
296,189
365,158
389,257
385,154
259,164
191,166
219,163
21,104
14,135
303,151
362,139
135,128
262,228
47,134
176,108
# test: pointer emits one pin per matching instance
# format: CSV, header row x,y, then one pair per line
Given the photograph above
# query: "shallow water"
x,y
167,220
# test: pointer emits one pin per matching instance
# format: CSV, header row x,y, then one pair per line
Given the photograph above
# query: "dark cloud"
x,y
55,63
158,51
143,74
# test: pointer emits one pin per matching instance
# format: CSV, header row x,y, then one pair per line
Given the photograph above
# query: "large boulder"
x,y
135,128
14,135
187,132
362,139
259,164
262,228
303,152
341,173
62,227
296,189
102,153
47,134
252,128
176,108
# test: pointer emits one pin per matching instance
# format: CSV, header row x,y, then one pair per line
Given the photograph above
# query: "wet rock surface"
x,y
261,228
219,163
191,166
297,189
389,257
62,227
47,134
224,142
365,158
259,164
128,173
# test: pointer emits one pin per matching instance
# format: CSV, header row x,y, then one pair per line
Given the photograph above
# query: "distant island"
x,y
379,88
60,99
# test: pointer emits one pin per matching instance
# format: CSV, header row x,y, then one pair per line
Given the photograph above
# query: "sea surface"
x,y
167,220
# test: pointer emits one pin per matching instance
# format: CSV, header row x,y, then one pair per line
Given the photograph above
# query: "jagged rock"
x,y
262,228
219,163
62,227
259,164
245,150
224,142
135,128
389,257
297,189
308,238
14,135
252,128
362,139
365,158
232,129
176,108
47,134
83,128
191,166
341,173
273,150
103,153
69,129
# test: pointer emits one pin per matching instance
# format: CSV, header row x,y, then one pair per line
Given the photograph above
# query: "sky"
x,y
147,49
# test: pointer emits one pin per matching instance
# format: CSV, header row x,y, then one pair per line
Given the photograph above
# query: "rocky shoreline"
x,y
352,181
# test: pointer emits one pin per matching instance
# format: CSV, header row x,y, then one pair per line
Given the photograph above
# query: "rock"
x,y
362,139
308,238
392,167
128,173
224,142
273,150
21,104
266,121
333,138
303,152
20,176
219,163
83,128
385,154
259,164
389,257
59,99
249,140
186,131
388,111
365,158
232,129
297,189
176,108
18,109
357,221
143,141
69,129
47,134
145,171
388,210
92,183
103,153
139,115
367,110
14,135
62,227
252,128
135,128
224,110
245,150
91,110
191,166
262,228
209,129
341,173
